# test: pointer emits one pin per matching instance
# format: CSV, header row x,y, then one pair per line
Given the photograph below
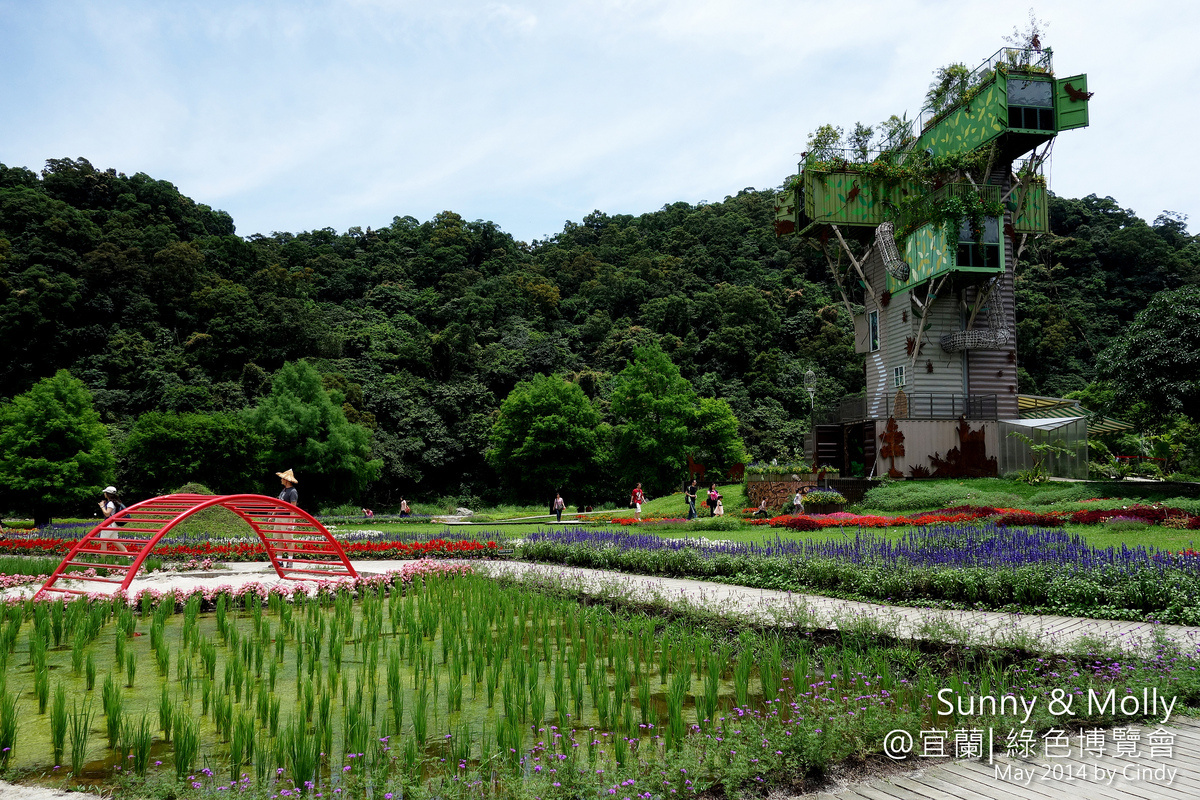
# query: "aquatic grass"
x,y
187,745
80,730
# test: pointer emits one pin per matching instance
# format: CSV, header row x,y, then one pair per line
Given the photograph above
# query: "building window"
x,y
1031,105
982,253
873,330
898,377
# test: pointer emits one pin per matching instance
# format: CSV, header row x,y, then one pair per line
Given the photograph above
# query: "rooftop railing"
x,y
917,405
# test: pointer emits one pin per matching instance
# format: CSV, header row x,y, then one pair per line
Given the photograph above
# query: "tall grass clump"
x,y
58,722
80,731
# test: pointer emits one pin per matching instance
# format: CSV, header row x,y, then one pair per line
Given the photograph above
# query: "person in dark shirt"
x,y
288,495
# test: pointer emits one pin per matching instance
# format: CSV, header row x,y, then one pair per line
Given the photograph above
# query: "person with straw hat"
x,y
288,495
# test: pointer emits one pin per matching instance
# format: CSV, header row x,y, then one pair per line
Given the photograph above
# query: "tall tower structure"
x,y
940,216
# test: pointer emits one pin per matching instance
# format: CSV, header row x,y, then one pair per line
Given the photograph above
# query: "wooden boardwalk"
x,y
1171,773
1053,634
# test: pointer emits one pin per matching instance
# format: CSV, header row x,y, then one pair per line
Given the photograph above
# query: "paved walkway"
x,y
1044,632
1169,770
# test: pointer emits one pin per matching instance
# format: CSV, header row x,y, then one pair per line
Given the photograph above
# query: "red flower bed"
x,y
1016,519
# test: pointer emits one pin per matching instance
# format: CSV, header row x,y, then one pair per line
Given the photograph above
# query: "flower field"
x,y
966,564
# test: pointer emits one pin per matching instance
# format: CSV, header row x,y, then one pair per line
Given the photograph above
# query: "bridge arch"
x,y
298,547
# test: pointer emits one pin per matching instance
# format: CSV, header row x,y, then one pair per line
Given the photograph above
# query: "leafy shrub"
x,y
824,496
1067,494
915,495
716,524
802,524
211,522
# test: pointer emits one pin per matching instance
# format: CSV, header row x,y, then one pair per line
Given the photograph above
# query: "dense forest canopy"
x,y
420,330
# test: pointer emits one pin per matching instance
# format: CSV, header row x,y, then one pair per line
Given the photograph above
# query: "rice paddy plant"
x,y
355,734
41,685
325,713
58,722
187,745
9,708
112,700
130,669
537,701
241,745
620,749
310,700
79,643
262,761
741,675
80,730
162,656
89,672
301,756
139,736
223,716
273,720
166,713
770,671
676,693
56,620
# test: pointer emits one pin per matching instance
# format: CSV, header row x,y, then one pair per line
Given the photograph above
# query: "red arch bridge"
x,y
298,547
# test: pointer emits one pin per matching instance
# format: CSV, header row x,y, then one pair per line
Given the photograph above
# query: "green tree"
x,y
545,439
716,442
165,450
307,431
54,451
1157,360
655,408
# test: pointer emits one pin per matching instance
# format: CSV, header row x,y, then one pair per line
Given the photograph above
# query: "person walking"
x,y
109,506
288,495
636,500
798,502
404,510
559,505
691,499
714,497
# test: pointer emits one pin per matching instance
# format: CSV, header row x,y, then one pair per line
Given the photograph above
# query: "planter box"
x,y
824,508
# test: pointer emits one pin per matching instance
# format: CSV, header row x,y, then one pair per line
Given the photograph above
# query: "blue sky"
x,y
310,114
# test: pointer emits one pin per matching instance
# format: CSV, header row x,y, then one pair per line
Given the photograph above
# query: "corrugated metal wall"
x,y
947,375
991,371
923,438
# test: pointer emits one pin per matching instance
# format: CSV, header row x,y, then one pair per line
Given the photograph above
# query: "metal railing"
x,y
917,405
1013,59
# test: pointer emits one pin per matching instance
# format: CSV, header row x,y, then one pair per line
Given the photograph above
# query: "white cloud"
x,y
340,113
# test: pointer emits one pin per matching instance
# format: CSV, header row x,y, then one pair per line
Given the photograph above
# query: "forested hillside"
x,y
420,330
